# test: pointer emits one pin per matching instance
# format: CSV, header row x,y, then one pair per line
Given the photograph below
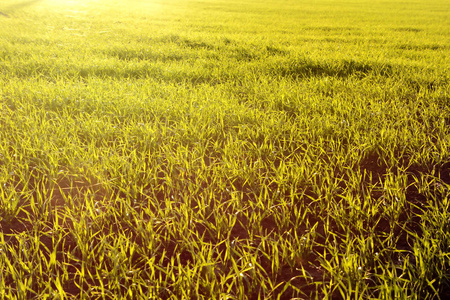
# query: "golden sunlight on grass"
x,y
224,149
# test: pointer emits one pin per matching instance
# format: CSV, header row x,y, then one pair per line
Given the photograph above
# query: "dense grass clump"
x,y
224,149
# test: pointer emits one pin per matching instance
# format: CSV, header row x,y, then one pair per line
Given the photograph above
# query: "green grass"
x,y
215,149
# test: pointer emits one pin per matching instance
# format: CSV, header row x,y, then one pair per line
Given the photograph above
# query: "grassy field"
x,y
213,149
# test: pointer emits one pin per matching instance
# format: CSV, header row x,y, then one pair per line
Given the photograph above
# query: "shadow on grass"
x,y
418,47
407,29
147,55
19,6
305,68
145,71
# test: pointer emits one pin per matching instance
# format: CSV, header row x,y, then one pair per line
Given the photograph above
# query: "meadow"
x,y
212,149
